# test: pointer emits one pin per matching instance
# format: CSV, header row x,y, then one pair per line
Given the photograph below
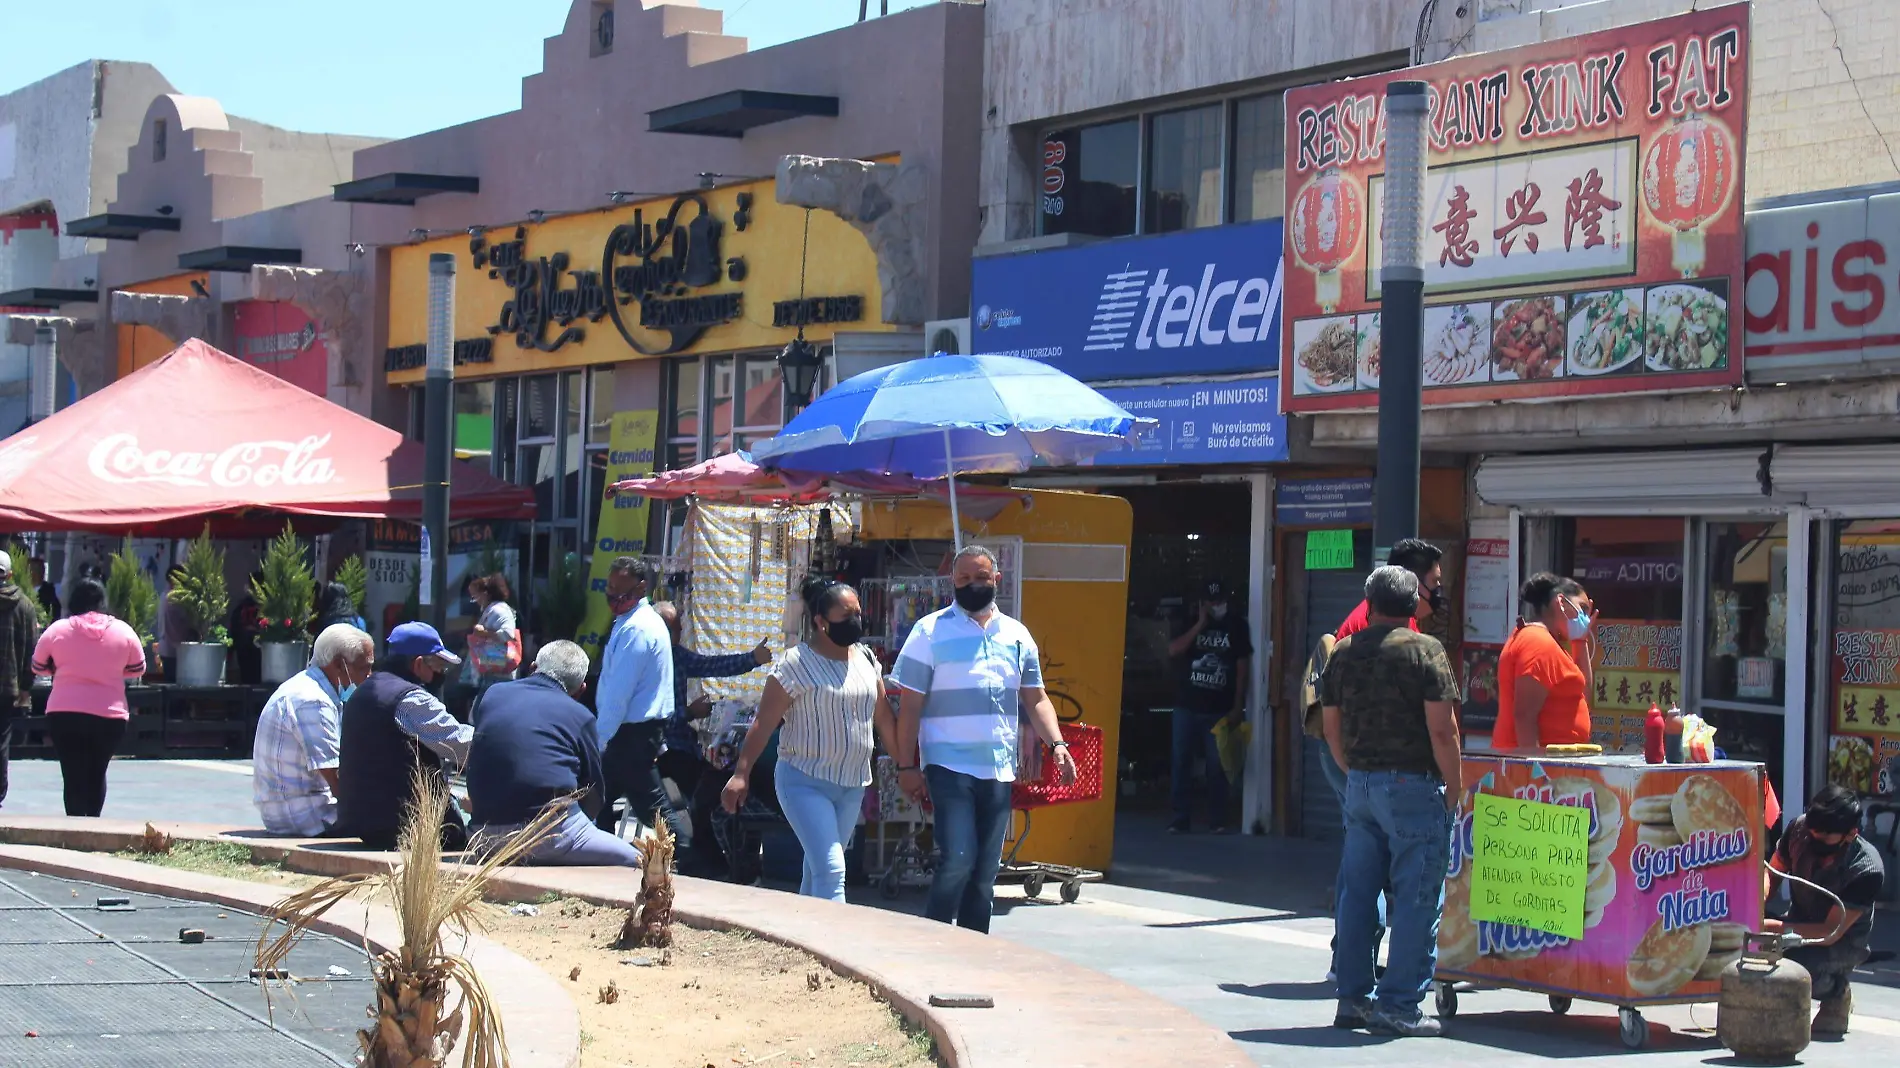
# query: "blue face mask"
x,y
343,695
1577,623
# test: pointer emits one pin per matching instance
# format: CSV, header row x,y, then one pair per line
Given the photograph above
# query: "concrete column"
x,y
1795,707
1257,789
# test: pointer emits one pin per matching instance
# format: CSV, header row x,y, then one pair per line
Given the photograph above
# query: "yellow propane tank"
x,y
1763,1011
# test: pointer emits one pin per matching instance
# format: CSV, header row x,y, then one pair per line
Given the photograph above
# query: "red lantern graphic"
x,y
1688,176
1327,219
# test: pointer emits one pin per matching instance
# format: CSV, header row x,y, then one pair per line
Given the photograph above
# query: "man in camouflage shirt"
x,y
1387,700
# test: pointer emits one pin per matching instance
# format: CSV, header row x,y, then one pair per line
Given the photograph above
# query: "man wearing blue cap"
x,y
393,724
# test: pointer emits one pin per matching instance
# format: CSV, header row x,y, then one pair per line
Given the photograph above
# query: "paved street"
x,y
1233,929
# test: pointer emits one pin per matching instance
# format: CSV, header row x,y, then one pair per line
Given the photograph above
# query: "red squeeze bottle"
x,y
1653,736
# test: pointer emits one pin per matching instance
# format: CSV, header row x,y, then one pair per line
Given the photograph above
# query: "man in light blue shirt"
x,y
635,700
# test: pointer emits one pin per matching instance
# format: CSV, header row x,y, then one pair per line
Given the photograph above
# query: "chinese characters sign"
x,y
1638,663
1583,230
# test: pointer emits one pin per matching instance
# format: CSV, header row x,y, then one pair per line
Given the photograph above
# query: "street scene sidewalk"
x,y
1232,928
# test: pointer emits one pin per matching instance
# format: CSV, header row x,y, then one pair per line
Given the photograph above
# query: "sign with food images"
x,y
1670,874
1638,663
1583,230
1866,736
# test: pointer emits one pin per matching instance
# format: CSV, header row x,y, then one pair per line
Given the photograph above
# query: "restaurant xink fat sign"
x,y
1583,230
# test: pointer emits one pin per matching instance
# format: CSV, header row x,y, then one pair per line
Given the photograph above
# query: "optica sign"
x,y
1823,286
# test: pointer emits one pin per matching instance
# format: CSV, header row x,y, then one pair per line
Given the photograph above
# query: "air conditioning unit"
x,y
950,336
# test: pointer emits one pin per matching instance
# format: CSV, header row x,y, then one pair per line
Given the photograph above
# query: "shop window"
x,y
1633,570
1745,633
1864,649
600,405
1259,158
158,140
1184,170
744,404
539,407
475,421
1088,177
571,450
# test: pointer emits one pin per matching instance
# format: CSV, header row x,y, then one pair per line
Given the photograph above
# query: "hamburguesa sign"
x,y
1583,230
119,459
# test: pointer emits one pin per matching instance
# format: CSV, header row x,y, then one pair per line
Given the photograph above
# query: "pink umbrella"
x,y
733,478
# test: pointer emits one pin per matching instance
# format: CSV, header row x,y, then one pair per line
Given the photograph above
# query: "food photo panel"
x,y
1325,355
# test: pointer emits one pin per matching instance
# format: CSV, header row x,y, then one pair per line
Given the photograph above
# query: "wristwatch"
x,y
1058,745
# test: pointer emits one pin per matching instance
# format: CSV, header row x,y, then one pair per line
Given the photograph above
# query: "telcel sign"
x,y
1195,302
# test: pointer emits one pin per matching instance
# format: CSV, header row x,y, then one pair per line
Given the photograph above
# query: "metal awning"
x,y
117,226
47,297
403,187
236,258
731,114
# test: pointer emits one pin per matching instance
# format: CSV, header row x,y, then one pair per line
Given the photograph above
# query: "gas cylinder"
x,y
1762,1014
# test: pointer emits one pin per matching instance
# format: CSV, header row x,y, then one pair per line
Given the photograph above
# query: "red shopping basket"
x,y
1045,787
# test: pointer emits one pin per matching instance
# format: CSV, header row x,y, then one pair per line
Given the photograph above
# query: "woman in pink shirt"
x,y
90,655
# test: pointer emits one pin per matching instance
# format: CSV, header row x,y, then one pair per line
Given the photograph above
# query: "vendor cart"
x,y
1674,885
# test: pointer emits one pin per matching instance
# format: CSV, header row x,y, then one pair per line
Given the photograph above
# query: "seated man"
x,y
536,744
1824,847
294,753
392,725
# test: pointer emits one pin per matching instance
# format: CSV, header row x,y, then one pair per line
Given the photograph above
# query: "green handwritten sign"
x,y
1530,864
1328,550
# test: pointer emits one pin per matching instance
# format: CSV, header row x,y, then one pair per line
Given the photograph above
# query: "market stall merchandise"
x,y
1640,898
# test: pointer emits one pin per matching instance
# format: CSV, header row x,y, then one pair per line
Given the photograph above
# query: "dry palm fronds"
x,y
650,921
415,978
154,842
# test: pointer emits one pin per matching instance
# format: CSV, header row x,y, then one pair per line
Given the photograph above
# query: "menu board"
x,y
1583,229
1864,666
1490,602
1638,663
1671,881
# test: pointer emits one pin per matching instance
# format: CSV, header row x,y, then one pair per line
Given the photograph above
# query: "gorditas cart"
x,y
1674,885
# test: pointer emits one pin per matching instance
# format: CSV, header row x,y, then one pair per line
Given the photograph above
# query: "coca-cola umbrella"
x,y
200,435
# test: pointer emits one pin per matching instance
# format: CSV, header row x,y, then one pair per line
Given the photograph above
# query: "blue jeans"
x,y
972,816
1336,778
575,841
1398,834
1194,737
823,815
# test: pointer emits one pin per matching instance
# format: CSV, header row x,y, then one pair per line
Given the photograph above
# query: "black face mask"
x,y
1437,601
845,633
1825,849
976,596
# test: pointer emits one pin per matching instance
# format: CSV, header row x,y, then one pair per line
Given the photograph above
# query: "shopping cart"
x,y
1045,788
903,862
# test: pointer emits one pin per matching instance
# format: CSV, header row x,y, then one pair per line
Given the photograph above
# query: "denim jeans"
x,y
1336,778
972,817
1194,737
574,841
823,815
1398,834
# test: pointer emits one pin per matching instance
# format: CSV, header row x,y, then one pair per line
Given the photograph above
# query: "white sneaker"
x,y
1332,977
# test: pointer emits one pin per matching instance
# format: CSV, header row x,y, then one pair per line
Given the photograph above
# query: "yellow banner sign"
x,y
1530,864
622,528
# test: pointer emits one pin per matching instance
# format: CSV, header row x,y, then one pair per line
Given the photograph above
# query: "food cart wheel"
x,y
1559,1004
888,885
1071,890
1032,885
1635,1028
1447,1000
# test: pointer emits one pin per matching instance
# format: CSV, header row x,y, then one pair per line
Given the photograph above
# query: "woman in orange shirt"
x,y
1544,670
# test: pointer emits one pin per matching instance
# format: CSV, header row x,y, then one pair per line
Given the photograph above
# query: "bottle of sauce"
x,y
1653,736
1672,735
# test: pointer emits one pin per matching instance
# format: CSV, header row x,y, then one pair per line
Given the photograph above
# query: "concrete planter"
x,y
281,660
201,663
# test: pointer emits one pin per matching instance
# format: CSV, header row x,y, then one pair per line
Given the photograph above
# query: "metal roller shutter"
x,y
1331,597
1683,481
1839,478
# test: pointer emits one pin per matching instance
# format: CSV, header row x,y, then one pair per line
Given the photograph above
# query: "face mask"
x,y
622,603
1437,601
346,692
976,596
1576,623
845,632
1218,612
1825,849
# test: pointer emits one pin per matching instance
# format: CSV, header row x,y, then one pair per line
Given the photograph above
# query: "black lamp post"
x,y
799,365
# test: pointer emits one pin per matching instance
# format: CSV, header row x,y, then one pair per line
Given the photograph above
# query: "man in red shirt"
x,y
1421,558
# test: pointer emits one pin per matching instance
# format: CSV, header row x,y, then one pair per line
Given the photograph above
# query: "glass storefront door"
x,y
1861,673
1633,568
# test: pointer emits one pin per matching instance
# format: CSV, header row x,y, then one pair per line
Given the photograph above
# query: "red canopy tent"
x,y
201,435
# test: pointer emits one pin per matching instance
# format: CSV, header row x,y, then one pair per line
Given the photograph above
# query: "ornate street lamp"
x,y
799,364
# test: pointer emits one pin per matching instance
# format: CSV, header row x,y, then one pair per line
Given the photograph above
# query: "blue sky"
x,y
385,68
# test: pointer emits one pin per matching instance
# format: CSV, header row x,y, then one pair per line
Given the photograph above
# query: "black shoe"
x,y
1353,1015
1417,1026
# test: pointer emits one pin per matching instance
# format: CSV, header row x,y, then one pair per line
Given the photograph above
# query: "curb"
x,y
1047,1011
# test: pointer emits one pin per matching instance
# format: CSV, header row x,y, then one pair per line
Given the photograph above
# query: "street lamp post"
x,y
437,437
1402,318
44,371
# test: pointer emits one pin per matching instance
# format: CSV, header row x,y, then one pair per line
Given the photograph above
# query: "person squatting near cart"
x,y
968,675
1824,847
1216,652
1388,694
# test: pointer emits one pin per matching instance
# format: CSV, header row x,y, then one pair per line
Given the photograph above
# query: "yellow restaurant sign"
x,y
706,271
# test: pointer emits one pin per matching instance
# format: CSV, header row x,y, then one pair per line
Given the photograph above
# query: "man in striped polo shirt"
x,y
967,675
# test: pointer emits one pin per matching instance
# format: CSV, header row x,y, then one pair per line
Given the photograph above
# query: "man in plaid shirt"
x,y
295,750
682,761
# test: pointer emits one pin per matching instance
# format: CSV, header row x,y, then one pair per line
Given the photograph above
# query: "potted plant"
x,y
132,596
199,590
353,573
16,551
285,591
562,607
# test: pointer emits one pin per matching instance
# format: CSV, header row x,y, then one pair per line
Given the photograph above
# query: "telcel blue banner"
x,y
1203,423
1195,302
